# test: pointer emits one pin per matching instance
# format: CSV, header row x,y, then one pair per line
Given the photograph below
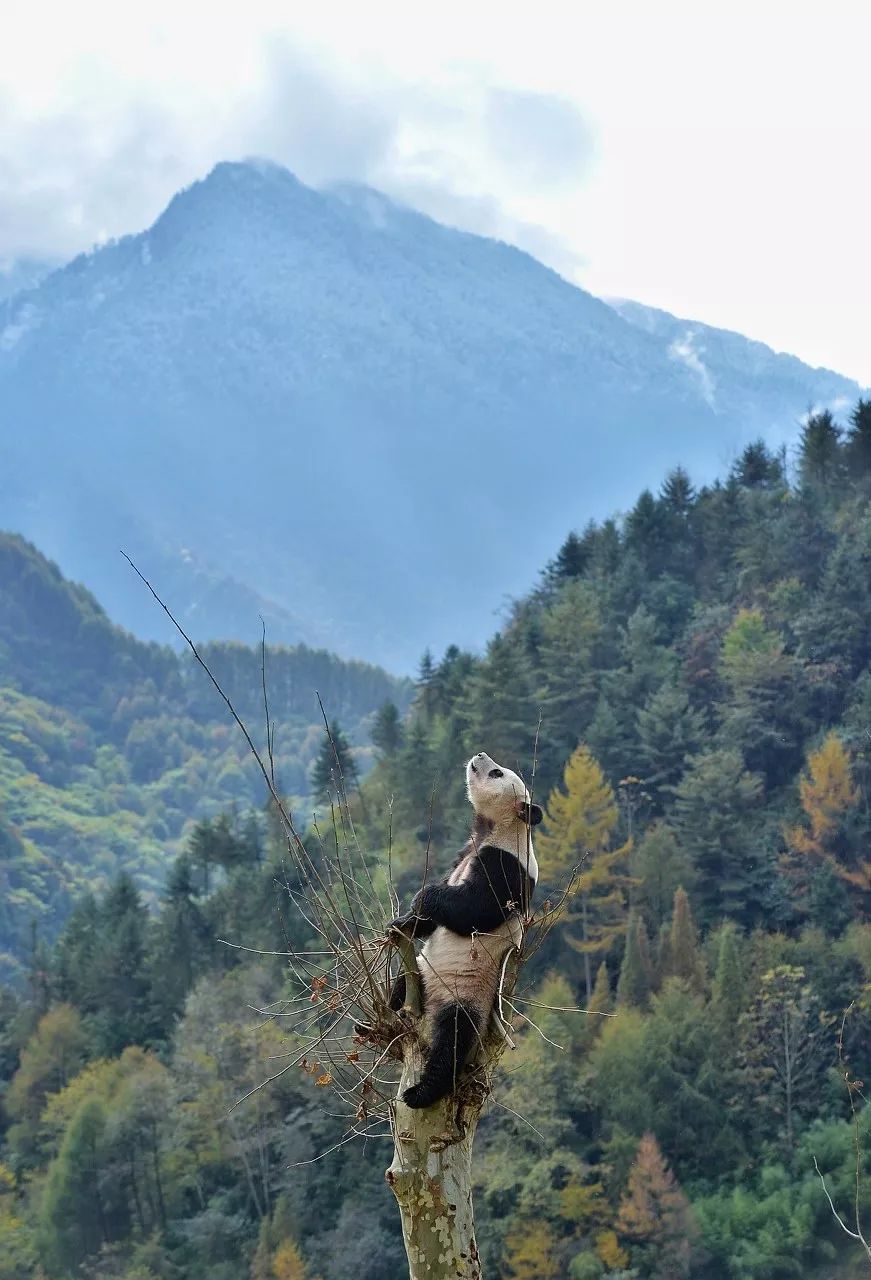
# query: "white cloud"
x,y
708,159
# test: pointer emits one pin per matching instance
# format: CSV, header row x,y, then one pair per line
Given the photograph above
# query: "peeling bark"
x,y
431,1172
431,1177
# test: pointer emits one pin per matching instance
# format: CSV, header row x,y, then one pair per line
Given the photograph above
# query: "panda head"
x,y
498,794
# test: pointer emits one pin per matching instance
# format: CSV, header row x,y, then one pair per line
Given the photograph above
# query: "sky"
x,y
711,159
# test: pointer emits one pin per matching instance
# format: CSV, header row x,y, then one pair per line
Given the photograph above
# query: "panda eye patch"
x,y
495,773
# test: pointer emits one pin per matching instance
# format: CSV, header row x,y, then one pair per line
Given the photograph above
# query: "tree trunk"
x,y
431,1172
431,1177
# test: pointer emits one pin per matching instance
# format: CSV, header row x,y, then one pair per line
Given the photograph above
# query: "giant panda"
x,y
469,920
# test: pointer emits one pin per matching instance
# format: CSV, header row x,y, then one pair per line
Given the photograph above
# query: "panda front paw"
x,y
405,925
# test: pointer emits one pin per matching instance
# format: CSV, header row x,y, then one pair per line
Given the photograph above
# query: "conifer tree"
x,y
684,959
655,1217
677,494
601,1000
677,500
857,446
828,797
728,997
758,468
636,970
117,999
220,842
334,772
579,828
426,684
503,712
659,865
821,459
570,561
387,729
829,905
837,626
571,631
605,738
712,820
416,764
647,528
669,730
182,944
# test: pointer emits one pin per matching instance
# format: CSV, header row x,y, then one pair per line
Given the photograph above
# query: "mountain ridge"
x,y
286,399
112,747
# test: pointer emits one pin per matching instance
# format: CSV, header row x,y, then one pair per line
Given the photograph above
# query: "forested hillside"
x,y
701,675
111,748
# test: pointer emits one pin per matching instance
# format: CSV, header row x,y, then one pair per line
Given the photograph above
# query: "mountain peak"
x,y
321,392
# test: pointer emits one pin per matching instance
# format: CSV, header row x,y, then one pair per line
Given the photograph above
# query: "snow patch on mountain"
x,y
684,349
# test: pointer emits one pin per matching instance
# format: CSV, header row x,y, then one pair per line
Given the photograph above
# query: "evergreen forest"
x,y
688,691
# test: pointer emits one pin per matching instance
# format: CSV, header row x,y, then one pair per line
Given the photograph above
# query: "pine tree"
x,y
659,865
712,818
570,636
601,1002
828,797
570,561
426,691
684,958
182,945
636,970
415,764
334,773
387,729
728,992
219,842
836,628
503,711
647,529
606,739
118,999
669,730
677,494
655,1216
857,447
578,831
757,468
829,905
821,457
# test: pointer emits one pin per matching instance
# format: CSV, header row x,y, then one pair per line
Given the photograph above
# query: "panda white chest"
x,y
462,870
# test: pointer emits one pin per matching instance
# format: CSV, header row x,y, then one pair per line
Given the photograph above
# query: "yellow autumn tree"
x,y
655,1216
532,1253
579,828
609,1251
287,1263
827,797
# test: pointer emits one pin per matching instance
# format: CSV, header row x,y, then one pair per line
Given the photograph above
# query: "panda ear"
x,y
531,814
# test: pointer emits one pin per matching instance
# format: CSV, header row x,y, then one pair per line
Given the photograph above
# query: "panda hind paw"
x,y
417,1097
